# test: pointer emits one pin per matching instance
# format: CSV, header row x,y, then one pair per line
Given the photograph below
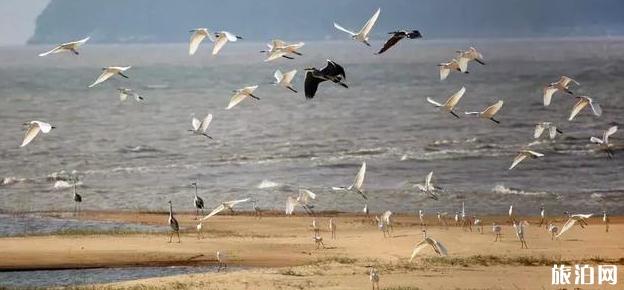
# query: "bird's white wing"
x,y
370,23
430,100
595,108
343,29
237,98
235,202
359,178
596,140
290,205
45,127
219,43
421,187
428,185
215,211
205,123
417,249
582,103
195,123
490,111
54,50
454,99
548,93
307,194
278,76
196,39
289,76
584,216
104,76
568,225
441,248
386,216
230,37
275,55
539,129
31,133
565,81
535,154
463,64
444,72
249,89
608,133
517,160
123,96
81,42
552,130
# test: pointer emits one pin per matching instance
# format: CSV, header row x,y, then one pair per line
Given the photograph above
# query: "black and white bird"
x,y
124,93
200,127
604,142
68,46
173,224
331,72
198,202
397,36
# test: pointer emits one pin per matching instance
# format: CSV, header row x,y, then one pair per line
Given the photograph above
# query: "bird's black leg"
x,y
74,51
178,232
291,88
288,57
479,61
559,131
343,84
297,53
495,121
208,136
123,75
251,95
454,114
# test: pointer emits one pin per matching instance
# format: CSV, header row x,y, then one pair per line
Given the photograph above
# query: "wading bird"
x,y
279,48
109,72
200,127
332,228
198,202
397,36
285,79
173,224
450,104
605,220
552,229
68,46
552,130
362,35
226,204
572,220
489,112
582,102
497,230
221,265
358,182
542,217
460,65
562,85
429,188
304,199
519,229
77,200
373,275
221,38
523,154
33,129
437,246
125,92
604,142
331,72
257,210
240,95
478,224
200,227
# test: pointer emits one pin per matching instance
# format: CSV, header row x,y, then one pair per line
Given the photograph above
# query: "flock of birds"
x,y
335,73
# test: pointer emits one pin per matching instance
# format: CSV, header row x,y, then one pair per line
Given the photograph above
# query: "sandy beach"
x,y
278,252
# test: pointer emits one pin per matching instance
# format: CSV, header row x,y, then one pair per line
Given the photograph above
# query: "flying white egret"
x,y
362,35
562,85
450,104
109,72
240,95
197,37
173,224
125,92
460,65
552,130
304,199
429,188
472,54
225,205
221,38
68,46
604,142
572,220
33,129
523,154
285,79
279,48
356,186
582,102
437,246
200,127
489,112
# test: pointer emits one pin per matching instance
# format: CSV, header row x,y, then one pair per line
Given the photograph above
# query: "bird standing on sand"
x,y
605,220
198,202
240,95
68,46
34,127
604,142
562,85
173,224
552,229
109,72
221,265
332,228
331,72
373,275
489,112
542,217
450,104
497,230
397,36
478,224
519,229
362,35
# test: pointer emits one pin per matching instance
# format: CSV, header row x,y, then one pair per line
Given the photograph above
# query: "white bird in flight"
x,y
552,130
197,37
68,46
582,102
471,54
362,35
125,92
279,48
285,79
200,127
604,142
572,220
221,38
226,204
489,112
34,127
304,199
428,187
109,72
240,95
437,246
562,85
523,154
450,104
460,65
356,186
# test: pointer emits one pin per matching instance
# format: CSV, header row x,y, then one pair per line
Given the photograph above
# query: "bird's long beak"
x,y
239,37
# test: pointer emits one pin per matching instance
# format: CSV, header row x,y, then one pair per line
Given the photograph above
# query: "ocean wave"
x,y
62,175
10,180
138,149
267,184
502,189
62,184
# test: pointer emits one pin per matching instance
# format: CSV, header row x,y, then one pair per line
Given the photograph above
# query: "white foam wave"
x,y
502,189
267,184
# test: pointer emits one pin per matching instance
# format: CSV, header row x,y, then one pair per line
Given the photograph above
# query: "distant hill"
x,y
113,21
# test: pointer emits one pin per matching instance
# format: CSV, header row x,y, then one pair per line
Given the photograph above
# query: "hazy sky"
x,y
17,19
